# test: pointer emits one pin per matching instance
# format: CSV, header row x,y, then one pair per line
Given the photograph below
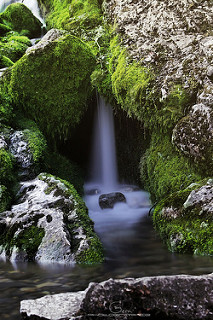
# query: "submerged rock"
x,y
163,297
110,199
49,224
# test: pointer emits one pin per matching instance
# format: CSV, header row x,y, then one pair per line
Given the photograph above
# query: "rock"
x,y
201,199
49,224
210,72
20,18
110,199
63,99
193,135
163,297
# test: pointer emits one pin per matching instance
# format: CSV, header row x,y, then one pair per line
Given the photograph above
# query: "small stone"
x,y
108,200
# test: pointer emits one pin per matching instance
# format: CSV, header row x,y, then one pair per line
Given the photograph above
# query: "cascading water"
x,y
117,223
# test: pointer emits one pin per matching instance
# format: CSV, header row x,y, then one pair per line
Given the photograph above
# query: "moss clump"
x,y
6,167
59,100
60,166
4,198
4,29
29,240
77,15
18,17
164,170
12,48
6,108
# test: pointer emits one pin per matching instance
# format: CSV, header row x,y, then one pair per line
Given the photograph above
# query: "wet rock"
x,y
45,225
193,135
163,297
108,200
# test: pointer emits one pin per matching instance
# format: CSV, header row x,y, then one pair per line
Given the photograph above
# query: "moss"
x,y
6,108
77,15
6,167
29,240
4,198
61,76
62,167
4,29
164,170
13,46
18,17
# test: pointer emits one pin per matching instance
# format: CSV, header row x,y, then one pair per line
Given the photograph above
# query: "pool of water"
x,y
133,249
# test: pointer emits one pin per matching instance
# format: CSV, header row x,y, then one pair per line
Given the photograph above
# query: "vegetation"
x,y
19,18
59,101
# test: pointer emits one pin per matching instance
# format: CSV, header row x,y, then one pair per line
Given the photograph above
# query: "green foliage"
x,y
6,167
163,170
18,17
12,48
61,76
29,240
4,198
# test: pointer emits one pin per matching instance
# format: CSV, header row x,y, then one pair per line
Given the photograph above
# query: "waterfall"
x,y
104,166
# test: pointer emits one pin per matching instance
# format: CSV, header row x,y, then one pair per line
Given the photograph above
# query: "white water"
x,y
31,4
112,225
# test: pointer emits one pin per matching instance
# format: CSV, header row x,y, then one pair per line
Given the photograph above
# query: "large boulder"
x,y
165,297
20,18
51,83
49,223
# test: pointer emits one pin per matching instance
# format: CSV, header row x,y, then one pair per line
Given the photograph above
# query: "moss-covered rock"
x,y
185,219
51,83
6,167
18,17
164,170
12,48
4,198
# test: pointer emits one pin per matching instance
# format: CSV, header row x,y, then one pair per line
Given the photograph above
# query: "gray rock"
x,y
210,72
193,135
50,36
201,199
108,200
47,204
164,297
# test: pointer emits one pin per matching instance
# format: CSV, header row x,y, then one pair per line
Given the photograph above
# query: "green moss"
x,y
164,170
60,166
4,29
77,15
37,143
6,167
6,108
61,76
4,198
18,17
29,240
12,46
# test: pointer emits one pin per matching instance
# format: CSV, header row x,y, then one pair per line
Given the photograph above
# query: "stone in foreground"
x,y
164,297
107,201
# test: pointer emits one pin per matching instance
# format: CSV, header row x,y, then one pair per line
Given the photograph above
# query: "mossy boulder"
x,y
12,48
50,223
185,219
20,18
51,83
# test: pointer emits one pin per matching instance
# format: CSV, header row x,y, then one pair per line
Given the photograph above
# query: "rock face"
x,y
193,135
166,297
110,199
49,224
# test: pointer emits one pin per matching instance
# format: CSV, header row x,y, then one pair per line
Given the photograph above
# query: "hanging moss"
x,y
18,17
52,86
